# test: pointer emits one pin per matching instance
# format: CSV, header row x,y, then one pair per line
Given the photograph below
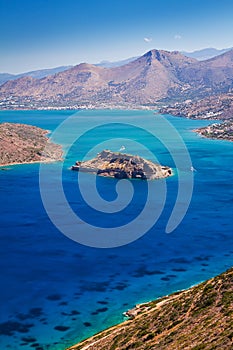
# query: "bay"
x,y
55,291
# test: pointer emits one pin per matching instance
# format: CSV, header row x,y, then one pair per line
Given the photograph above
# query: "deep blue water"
x,y
54,291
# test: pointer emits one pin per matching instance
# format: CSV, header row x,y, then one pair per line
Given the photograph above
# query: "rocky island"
x,y
123,166
21,143
197,318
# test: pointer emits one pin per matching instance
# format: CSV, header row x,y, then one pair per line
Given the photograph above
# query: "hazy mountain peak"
x,y
206,53
37,74
225,59
163,55
157,54
108,64
84,65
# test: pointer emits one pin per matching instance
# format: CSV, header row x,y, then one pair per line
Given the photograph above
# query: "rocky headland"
x,y
217,107
218,131
123,166
21,143
198,318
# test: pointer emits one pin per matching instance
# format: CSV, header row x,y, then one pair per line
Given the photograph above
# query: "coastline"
x,y
130,315
26,144
81,108
174,321
133,299
164,111
32,162
220,131
122,166
93,342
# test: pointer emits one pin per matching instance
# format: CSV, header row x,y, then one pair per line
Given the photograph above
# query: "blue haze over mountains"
x,y
37,74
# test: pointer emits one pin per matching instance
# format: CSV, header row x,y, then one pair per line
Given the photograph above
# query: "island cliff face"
x,y
21,143
123,166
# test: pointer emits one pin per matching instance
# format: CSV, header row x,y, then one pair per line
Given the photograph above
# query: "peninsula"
x,y
196,318
217,107
21,143
218,131
123,166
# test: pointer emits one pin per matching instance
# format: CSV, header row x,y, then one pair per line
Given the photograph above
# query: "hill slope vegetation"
x,y
198,318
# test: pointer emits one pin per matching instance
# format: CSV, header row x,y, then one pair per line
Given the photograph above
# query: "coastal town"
x,y
211,108
219,131
26,103
216,107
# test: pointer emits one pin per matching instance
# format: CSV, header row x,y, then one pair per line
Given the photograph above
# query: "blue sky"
x,y
49,33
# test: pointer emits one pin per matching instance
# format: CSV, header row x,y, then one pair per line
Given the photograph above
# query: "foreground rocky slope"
x,y
123,166
21,143
198,318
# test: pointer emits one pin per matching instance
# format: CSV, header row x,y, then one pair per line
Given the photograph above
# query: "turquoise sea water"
x,y
54,291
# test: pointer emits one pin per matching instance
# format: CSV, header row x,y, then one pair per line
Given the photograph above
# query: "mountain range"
x,y
205,54
38,74
156,76
200,55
